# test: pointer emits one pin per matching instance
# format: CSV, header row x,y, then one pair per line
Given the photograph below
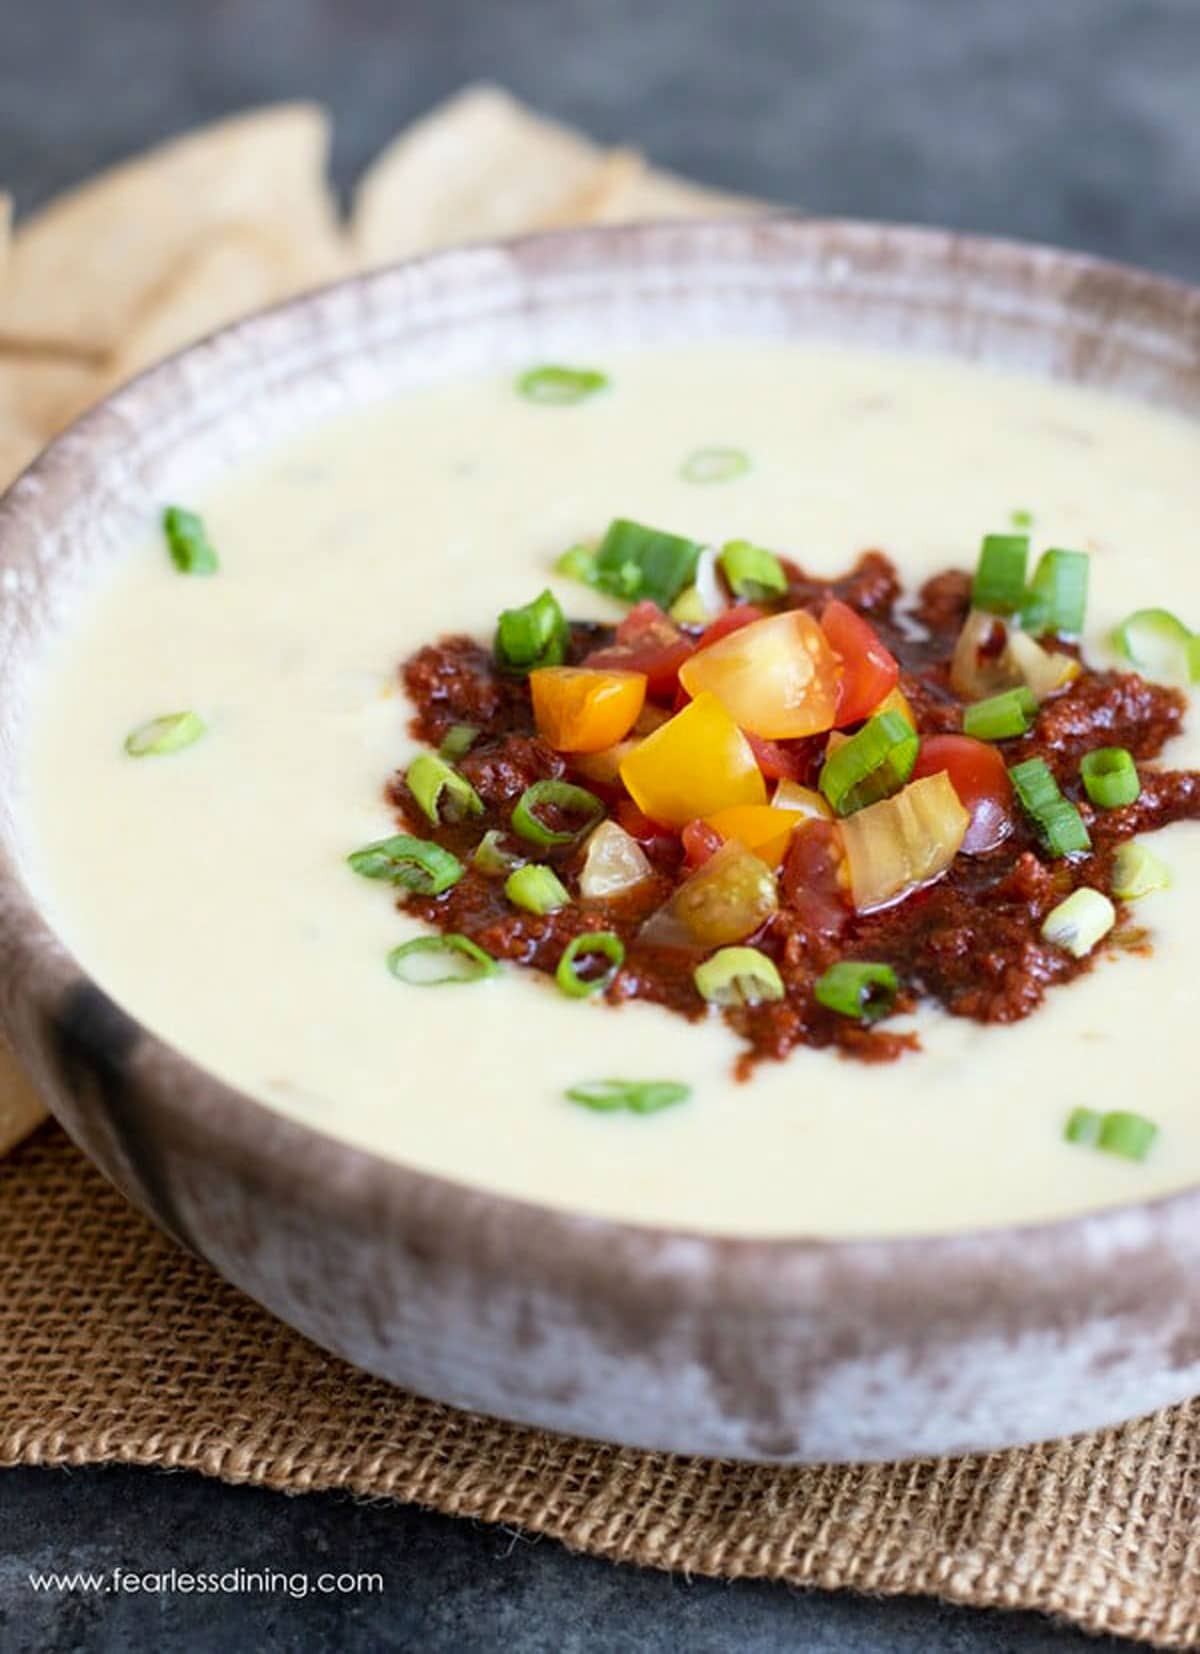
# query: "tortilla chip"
x,y
649,195
5,230
480,165
39,395
612,177
83,270
20,1106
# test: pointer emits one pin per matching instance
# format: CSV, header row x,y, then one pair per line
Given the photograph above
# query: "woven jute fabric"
x,y
116,1346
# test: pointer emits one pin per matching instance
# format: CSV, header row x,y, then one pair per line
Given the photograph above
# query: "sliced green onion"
x,y
1127,1134
858,989
605,943
752,571
690,609
1110,777
1159,645
1138,872
170,733
188,542
456,957
458,740
1057,598
578,563
558,795
441,792
1001,716
536,889
416,863
871,765
999,584
1083,1126
1021,518
1078,923
1059,824
533,636
738,976
635,562
558,387
637,1096
492,859
715,465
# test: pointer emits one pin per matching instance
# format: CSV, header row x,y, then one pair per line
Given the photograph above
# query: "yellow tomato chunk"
x,y
581,709
777,677
696,763
760,827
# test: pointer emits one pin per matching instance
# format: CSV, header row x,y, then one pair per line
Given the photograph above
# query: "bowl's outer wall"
x,y
803,1350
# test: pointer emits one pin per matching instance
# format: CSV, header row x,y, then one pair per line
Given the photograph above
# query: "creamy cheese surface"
x,y
208,891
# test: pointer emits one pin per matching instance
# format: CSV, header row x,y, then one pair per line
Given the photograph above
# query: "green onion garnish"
x,y
715,465
581,951
558,387
558,795
578,563
1000,575
492,858
690,609
1118,1132
751,571
1110,777
170,733
1060,825
533,636
1160,645
1138,872
1127,1134
1057,598
416,863
857,989
635,562
738,976
441,961
871,765
441,792
458,740
638,1096
188,542
1021,518
1079,922
1083,1126
536,889
1001,716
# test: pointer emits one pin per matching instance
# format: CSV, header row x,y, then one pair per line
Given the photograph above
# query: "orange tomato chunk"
x,y
760,827
777,678
696,763
581,709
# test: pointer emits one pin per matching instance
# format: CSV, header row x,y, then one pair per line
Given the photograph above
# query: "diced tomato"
x,y
777,676
979,776
647,641
653,836
578,709
812,884
869,671
730,620
782,760
700,841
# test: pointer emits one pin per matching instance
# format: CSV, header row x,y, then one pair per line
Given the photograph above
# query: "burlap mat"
x,y
115,1346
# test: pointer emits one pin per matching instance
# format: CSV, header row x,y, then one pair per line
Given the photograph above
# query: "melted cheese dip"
x,y
208,891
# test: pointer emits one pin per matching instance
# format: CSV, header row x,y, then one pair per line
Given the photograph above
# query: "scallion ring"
x,y
635,1096
441,793
458,740
1138,872
492,859
1127,1134
578,563
1159,644
170,733
537,889
752,571
187,541
1001,717
556,795
634,561
1056,601
999,586
871,765
579,952
857,988
560,387
1083,1126
417,864
1079,922
532,636
1060,826
715,465
458,959
738,976
1110,777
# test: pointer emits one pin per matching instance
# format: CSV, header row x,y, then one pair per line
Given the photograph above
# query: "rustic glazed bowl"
x,y
783,1349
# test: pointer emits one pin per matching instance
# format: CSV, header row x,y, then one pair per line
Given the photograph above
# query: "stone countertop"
x,y
1072,124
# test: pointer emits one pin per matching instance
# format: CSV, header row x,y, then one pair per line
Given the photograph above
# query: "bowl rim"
x,y
235,1129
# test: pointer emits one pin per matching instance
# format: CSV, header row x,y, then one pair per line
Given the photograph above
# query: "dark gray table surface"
x,y
1074,121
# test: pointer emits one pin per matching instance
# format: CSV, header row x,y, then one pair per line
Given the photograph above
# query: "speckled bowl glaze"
x,y
785,1349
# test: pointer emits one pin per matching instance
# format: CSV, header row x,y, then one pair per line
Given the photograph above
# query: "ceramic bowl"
x,y
794,1349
